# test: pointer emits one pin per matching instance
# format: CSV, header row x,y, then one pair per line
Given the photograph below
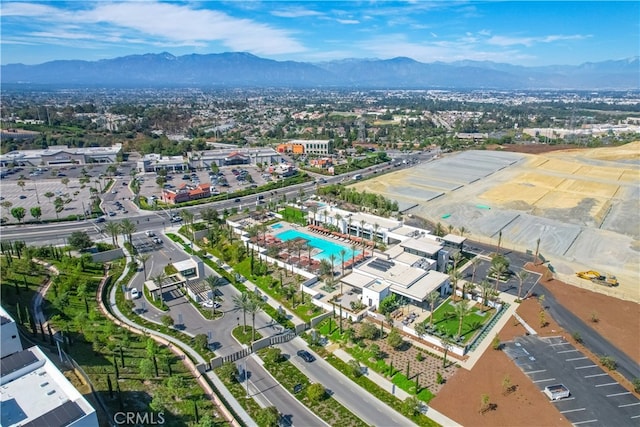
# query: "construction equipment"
x,y
598,278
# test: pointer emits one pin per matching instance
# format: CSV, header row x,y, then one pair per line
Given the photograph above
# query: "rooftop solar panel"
x,y
16,361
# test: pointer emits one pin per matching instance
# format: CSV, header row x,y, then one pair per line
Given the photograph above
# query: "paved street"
x,y
351,395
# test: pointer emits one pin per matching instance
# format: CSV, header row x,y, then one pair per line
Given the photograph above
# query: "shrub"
x,y
316,392
594,317
577,337
636,385
439,378
273,355
608,362
368,331
395,339
167,320
355,368
419,357
496,344
201,341
229,372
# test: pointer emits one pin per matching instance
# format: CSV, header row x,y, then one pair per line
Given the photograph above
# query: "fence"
x,y
256,345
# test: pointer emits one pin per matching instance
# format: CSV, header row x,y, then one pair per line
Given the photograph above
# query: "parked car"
x,y
99,219
157,241
111,213
150,233
306,356
134,293
22,196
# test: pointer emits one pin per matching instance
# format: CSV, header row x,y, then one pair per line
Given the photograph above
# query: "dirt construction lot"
x,y
582,204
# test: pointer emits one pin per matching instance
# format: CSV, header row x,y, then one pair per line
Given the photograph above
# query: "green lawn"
x,y
294,215
245,337
444,320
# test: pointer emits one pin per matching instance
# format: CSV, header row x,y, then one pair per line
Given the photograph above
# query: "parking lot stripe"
x,y
595,375
567,351
628,404
604,385
535,372
560,343
583,422
542,381
618,394
585,367
635,416
573,410
575,358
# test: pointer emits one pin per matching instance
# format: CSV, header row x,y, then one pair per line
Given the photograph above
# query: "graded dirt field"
x,y
582,204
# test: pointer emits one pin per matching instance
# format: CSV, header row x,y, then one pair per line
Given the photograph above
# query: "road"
x,y
352,396
263,387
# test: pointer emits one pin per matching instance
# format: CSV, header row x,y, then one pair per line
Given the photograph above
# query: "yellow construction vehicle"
x,y
598,278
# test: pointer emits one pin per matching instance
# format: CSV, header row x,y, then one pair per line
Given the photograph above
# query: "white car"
x,y
134,293
150,233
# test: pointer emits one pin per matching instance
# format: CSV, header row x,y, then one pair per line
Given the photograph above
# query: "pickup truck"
x,y
556,391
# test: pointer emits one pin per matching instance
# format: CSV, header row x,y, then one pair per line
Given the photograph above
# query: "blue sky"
x,y
525,33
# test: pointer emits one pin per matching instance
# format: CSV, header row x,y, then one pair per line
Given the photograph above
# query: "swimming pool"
x,y
276,226
326,246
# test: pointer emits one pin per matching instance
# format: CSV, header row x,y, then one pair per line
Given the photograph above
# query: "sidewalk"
x,y
387,385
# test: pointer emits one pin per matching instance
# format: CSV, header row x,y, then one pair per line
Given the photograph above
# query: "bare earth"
x,y
460,398
582,204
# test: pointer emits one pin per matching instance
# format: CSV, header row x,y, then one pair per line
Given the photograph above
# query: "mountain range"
x,y
237,69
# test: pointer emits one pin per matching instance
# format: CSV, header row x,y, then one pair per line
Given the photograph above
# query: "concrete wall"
x,y
107,255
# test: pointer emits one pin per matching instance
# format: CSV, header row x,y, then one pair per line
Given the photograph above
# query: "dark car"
x,y
22,196
236,200
306,356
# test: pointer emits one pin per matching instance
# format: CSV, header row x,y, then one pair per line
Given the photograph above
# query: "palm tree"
x,y
461,311
497,270
314,210
188,219
522,276
454,277
113,228
499,242
213,282
485,291
535,258
432,298
376,227
338,219
438,230
446,343
242,303
450,228
474,267
128,228
158,280
349,221
462,230
343,252
361,228
143,258
254,307
332,258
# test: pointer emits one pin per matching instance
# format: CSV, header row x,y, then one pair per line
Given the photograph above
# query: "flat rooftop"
x,y
39,395
425,245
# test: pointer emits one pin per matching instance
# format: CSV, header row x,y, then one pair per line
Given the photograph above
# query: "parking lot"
x,y
596,398
229,179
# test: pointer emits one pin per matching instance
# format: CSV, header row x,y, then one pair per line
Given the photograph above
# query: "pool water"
x,y
326,246
276,226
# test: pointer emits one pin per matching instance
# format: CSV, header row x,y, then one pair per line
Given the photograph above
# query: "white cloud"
x,y
167,24
347,21
295,12
530,41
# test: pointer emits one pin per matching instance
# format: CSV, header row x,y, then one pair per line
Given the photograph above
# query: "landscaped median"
x,y
313,396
